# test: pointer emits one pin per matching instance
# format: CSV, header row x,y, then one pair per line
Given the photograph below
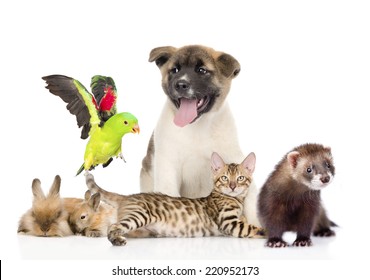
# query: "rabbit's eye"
x,y
83,217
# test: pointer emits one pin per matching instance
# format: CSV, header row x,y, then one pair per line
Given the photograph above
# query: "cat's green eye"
x,y
224,178
241,178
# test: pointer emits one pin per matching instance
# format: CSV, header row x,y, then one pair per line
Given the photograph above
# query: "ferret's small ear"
x,y
249,163
216,162
293,158
328,150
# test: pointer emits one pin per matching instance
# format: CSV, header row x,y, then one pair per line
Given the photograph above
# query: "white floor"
x,y
342,255
212,248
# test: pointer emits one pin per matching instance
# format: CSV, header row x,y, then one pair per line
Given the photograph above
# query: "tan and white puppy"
x,y
195,122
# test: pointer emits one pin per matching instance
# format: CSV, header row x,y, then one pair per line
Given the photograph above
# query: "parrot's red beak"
x,y
136,129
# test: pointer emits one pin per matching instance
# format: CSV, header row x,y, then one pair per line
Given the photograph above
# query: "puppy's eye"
x,y
174,70
202,71
309,169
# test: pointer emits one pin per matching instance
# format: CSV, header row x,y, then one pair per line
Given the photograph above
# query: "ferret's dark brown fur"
x,y
290,198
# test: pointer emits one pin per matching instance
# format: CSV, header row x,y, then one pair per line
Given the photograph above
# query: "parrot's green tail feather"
x,y
80,170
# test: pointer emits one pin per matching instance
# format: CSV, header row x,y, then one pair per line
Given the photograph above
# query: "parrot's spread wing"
x,y
105,93
79,101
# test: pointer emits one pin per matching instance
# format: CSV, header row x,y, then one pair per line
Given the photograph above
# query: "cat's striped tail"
x,y
108,197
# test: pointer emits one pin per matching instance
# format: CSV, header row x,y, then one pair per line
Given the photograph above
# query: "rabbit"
x,y
92,218
47,217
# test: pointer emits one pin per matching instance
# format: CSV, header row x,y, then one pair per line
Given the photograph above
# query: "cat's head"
x,y
232,179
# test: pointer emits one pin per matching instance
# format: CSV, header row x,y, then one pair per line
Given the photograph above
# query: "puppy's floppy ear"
x,y
161,54
228,65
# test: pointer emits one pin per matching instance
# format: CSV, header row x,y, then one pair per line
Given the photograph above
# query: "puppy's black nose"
x,y
182,85
325,179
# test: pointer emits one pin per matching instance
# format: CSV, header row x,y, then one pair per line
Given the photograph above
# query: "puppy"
x,y
196,120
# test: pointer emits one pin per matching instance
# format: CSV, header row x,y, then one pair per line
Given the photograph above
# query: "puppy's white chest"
x,y
183,155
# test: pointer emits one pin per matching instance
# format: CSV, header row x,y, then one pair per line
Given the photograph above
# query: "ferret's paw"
x,y
276,243
325,232
306,242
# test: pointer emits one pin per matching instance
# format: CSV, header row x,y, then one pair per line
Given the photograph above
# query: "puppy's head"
x,y
195,78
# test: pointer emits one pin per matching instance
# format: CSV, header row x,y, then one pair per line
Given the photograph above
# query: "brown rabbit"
x,y
47,217
92,218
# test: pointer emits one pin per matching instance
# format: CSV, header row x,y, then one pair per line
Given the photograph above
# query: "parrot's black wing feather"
x,y
79,101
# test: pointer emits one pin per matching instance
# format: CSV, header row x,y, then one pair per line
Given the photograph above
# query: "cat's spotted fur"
x,y
158,215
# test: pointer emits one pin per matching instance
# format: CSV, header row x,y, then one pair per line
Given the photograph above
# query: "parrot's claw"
x,y
122,157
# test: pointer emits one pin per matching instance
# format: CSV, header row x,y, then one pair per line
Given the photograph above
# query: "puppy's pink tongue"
x,y
187,112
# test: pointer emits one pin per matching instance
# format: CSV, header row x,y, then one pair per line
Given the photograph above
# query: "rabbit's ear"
x,y
55,188
36,189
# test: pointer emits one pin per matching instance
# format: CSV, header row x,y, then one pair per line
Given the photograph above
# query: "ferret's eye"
x,y
224,178
309,169
83,217
327,164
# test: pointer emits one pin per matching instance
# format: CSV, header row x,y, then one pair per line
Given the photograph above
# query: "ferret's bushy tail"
x,y
332,224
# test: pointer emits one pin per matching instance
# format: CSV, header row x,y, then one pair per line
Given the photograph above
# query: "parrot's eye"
x,y
125,122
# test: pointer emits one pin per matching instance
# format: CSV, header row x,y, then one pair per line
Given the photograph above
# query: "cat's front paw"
x,y
276,243
115,235
260,233
302,242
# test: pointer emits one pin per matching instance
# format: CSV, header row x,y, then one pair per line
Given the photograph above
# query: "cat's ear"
x,y
94,201
216,162
249,163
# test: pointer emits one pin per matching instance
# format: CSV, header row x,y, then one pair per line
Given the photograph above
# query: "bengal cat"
x,y
159,215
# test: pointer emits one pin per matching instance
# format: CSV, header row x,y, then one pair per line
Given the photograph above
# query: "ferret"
x,y
290,198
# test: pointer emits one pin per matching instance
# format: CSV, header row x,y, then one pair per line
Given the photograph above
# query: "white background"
x,y
304,78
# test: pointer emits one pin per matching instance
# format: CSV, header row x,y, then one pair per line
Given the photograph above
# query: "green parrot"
x,y
97,115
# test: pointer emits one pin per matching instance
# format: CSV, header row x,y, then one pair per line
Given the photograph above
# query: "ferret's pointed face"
x,y
316,172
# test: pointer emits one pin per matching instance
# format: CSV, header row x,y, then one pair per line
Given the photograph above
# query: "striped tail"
x,y
108,197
